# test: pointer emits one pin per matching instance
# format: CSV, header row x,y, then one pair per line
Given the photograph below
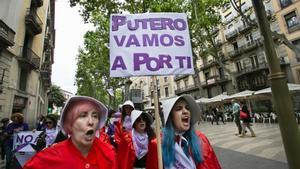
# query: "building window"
x,y
239,66
23,80
167,92
249,38
254,61
178,85
206,74
209,95
223,88
292,21
221,73
158,93
235,46
285,3
166,79
186,83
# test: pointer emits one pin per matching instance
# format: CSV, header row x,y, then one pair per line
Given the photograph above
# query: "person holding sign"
x,y
182,146
137,148
11,130
80,119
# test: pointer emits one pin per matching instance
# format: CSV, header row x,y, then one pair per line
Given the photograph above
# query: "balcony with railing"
x,y
234,53
249,46
244,28
46,69
178,77
30,58
33,22
186,89
232,34
208,64
252,69
214,80
7,35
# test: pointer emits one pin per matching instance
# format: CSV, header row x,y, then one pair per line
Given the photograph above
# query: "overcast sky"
x,y
70,30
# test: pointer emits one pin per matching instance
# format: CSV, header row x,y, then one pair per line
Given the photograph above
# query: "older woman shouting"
x,y
80,119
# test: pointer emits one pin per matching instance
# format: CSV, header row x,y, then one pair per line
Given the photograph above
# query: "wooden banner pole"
x,y
157,121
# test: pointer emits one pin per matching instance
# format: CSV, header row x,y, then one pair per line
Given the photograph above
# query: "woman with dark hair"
x,y
16,126
137,148
182,146
81,117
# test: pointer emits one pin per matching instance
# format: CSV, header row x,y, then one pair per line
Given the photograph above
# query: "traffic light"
x,y
49,109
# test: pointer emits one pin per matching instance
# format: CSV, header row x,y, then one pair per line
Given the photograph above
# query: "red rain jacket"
x,y
126,153
65,155
210,160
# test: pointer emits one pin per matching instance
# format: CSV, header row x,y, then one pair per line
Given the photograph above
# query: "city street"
x,y
265,151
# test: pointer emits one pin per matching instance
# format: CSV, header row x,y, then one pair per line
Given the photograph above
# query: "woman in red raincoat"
x,y
80,119
182,146
137,148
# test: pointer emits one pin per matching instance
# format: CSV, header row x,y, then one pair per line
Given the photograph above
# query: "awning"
x,y
291,86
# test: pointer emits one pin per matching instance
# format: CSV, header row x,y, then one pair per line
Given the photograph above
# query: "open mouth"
x,y
185,119
90,132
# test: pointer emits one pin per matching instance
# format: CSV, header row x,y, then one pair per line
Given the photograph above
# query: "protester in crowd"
x,y
107,133
124,125
220,113
17,125
127,108
236,114
137,148
80,119
214,112
41,123
182,146
49,134
3,136
246,122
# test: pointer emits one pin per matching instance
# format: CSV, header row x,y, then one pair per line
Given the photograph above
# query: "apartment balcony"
x,y
179,77
48,42
7,35
33,23
215,80
207,65
251,45
186,89
45,73
235,53
244,28
29,58
221,79
37,3
252,69
230,35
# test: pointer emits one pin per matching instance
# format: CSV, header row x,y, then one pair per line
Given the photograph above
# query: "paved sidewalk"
x,y
264,151
235,160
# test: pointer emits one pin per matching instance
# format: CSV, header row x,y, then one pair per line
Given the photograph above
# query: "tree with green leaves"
x,y
56,97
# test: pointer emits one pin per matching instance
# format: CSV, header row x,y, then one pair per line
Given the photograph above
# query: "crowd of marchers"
x,y
88,135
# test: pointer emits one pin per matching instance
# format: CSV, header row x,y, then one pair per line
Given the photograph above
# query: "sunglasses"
x,y
48,122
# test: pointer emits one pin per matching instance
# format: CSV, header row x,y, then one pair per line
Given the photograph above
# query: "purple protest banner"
x,y
150,44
